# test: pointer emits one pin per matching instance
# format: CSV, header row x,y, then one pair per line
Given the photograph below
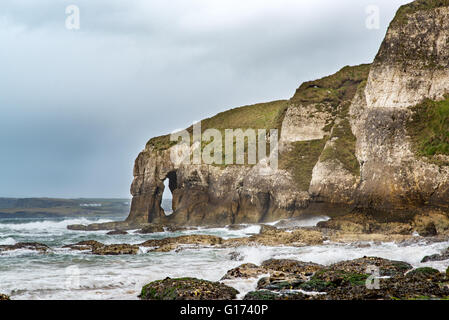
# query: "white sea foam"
x,y
7,241
46,225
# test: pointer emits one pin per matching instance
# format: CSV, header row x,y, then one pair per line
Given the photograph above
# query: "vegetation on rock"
x,y
332,89
429,129
300,159
258,116
187,289
404,11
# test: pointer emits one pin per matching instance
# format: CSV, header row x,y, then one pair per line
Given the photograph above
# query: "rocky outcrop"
x,y
187,289
98,248
369,139
349,280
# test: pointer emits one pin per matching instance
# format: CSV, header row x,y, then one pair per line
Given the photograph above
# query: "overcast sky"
x,y
77,106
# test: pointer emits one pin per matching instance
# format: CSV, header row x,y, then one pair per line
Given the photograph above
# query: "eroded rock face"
x,y
344,143
187,289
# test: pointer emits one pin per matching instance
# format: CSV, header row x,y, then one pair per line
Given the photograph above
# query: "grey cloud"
x,y
77,106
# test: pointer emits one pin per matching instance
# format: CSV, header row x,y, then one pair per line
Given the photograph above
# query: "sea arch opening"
x,y
170,185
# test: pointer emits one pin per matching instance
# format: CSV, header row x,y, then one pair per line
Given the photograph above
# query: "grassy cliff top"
x,y
332,89
401,17
258,116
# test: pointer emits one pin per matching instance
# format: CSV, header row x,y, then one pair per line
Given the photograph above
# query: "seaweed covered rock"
x,y
187,289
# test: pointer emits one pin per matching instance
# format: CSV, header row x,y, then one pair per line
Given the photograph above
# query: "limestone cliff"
x,y
368,137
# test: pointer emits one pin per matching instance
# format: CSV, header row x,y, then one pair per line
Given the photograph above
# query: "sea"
x,y
68,274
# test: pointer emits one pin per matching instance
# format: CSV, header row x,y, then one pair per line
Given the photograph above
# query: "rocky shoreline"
x,y
297,280
289,279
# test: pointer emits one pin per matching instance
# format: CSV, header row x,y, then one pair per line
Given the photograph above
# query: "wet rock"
x,y
152,228
4,297
271,236
116,232
236,256
77,227
175,228
269,295
268,230
292,266
279,282
188,239
187,289
115,249
437,257
244,271
84,245
166,247
42,248
386,267
261,295
359,223
99,248
425,273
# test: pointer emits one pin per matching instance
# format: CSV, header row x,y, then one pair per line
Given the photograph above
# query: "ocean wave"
x,y
47,225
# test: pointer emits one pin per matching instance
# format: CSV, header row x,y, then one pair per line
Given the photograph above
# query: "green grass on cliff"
x,y
259,116
401,17
343,149
332,89
301,159
429,128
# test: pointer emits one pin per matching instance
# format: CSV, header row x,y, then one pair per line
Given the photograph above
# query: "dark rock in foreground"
x,y
347,280
4,297
187,289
